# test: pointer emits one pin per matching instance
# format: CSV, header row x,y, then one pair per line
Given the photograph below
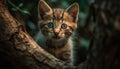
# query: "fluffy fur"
x,y
56,28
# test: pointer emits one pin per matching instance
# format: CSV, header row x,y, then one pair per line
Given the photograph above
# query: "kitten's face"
x,y
57,23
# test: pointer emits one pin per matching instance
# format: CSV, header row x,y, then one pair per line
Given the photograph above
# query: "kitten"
x,y
56,28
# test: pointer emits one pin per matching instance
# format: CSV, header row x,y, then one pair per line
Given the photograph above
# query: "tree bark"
x,y
104,51
18,50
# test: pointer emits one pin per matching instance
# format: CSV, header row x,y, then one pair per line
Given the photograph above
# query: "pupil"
x,y
63,26
50,25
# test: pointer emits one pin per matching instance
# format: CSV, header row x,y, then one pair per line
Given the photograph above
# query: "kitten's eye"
x,y
50,25
64,26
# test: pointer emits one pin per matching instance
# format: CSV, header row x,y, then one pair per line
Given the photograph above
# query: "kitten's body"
x,y
56,27
62,53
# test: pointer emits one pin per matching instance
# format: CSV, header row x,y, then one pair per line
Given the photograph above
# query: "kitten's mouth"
x,y
56,37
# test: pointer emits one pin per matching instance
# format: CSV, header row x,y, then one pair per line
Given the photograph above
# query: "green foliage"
x,y
15,7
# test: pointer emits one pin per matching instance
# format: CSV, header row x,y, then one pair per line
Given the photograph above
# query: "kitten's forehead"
x,y
58,13
61,14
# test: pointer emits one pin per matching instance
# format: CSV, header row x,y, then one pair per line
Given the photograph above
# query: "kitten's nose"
x,y
56,33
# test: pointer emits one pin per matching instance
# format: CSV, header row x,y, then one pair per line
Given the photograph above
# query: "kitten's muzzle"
x,y
56,37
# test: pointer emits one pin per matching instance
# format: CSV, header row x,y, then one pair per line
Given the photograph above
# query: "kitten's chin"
x,y
57,38
56,42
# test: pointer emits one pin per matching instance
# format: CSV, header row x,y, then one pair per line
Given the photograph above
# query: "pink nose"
x,y
56,33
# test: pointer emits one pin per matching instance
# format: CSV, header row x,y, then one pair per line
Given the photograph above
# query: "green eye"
x,y
64,26
51,25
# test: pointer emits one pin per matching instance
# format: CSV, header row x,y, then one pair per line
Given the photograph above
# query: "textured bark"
x,y
18,50
104,51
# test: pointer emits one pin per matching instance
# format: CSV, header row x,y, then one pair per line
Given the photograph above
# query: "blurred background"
x,y
25,11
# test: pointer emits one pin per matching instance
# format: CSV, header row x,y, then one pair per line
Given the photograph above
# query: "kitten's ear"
x,y
73,10
43,8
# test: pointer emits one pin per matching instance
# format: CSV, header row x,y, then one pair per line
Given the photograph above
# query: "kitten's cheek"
x,y
45,33
63,35
50,35
68,34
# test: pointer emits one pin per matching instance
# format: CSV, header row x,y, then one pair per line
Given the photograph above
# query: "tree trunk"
x,y
104,51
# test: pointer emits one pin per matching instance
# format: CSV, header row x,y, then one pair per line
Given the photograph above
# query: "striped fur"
x,y
57,39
